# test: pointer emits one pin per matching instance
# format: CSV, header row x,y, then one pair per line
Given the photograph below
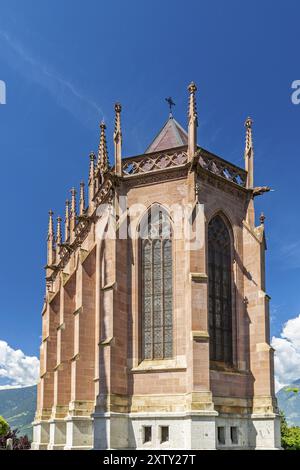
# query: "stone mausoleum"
x,y
156,316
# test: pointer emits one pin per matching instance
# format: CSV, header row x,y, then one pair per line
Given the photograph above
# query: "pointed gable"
x,y
171,135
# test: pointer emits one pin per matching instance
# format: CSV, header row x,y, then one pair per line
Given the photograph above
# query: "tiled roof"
x,y
170,136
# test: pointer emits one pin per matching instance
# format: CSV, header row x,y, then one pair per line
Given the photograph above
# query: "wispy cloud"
x,y
17,369
291,254
275,313
62,90
287,353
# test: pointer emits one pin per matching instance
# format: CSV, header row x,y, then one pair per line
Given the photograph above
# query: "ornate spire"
x,y
73,213
67,220
50,241
73,203
118,140
192,121
58,232
249,153
92,167
248,125
91,180
102,163
82,199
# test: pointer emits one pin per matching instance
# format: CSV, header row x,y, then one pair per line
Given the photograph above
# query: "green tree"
x,y
292,389
290,436
4,426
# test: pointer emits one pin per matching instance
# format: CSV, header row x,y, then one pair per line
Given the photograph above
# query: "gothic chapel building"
x,y
151,341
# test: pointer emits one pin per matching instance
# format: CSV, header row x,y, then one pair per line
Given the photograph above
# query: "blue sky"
x,y
65,63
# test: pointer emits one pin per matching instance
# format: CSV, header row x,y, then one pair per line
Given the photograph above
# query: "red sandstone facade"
x,y
96,388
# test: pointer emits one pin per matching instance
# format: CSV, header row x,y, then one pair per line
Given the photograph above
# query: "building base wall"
x,y
41,434
110,431
265,432
205,431
196,430
57,434
79,433
127,431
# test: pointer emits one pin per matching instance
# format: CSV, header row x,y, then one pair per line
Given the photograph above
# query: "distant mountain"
x,y
17,406
289,403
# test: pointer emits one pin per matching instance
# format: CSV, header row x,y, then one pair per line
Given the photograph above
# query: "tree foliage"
x,y
19,443
292,389
290,435
4,426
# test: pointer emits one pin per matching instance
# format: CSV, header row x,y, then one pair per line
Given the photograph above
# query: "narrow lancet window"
x,y
156,285
219,279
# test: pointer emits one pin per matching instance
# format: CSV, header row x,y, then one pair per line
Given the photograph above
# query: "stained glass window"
x,y
156,280
219,280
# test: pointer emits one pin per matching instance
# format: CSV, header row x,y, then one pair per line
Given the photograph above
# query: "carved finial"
x,y
192,121
50,225
67,220
82,199
262,218
92,167
73,202
50,241
118,140
192,103
248,125
91,181
102,151
58,232
73,213
249,153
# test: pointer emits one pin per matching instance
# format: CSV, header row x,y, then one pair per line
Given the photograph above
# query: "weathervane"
x,y
170,103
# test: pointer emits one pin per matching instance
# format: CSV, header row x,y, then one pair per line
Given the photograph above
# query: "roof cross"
x,y
170,103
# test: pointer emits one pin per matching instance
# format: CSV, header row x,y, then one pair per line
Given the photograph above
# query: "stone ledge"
x,y
154,414
260,347
220,367
83,254
52,296
264,416
170,415
78,310
198,402
107,341
109,286
200,335
42,417
199,277
163,365
77,418
76,357
64,278
45,375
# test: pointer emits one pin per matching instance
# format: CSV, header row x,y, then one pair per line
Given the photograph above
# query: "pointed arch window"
x,y
220,298
156,285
